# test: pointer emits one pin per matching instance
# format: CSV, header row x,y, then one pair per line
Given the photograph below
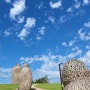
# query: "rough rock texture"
x,y
15,74
83,84
73,70
13,70
25,78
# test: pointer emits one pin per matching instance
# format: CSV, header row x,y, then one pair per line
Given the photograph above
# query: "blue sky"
x,y
43,33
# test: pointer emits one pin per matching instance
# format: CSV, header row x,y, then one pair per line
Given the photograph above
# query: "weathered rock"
x,y
13,70
83,84
15,74
73,70
25,78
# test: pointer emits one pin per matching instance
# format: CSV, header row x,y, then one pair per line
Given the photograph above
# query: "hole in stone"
x,y
78,75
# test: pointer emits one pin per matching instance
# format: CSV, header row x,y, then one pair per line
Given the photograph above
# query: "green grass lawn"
x,y
53,86
43,86
8,87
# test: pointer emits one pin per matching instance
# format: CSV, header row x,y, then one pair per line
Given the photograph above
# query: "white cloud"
x,y
63,18
86,58
5,75
84,35
74,54
80,12
7,33
20,19
70,9
71,43
23,34
42,58
87,47
77,5
30,23
41,5
41,33
18,7
87,24
42,30
3,70
53,75
56,4
64,43
8,1
85,1
38,38
48,69
81,34
75,48
52,19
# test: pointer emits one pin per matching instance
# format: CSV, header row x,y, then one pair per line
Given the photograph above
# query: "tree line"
x,y
42,80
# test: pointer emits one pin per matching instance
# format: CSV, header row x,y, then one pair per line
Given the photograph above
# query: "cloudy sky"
x,y
43,33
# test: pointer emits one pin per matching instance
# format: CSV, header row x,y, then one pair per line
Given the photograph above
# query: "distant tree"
x,y
42,80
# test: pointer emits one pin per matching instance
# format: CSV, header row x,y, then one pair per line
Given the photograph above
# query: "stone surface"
x,y
74,70
81,84
13,70
25,78
15,74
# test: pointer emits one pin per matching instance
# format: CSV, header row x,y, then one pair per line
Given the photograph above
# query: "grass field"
x,y
43,86
49,86
8,87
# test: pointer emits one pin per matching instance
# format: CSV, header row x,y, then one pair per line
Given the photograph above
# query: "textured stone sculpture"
x,y
81,84
25,78
15,74
73,70
13,71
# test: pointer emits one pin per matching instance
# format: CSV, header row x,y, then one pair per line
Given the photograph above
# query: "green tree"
x,y
42,80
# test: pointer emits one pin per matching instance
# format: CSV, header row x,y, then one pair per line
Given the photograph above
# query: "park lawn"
x,y
8,87
54,86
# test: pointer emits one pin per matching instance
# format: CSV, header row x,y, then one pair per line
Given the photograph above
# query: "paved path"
x,y
35,88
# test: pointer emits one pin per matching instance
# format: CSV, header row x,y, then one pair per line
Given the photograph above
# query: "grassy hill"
x,y
53,86
8,87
